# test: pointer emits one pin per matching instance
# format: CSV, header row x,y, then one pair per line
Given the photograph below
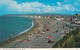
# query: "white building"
x,y
59,18
39,16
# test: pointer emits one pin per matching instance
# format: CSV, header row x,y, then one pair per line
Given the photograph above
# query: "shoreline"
x,y
25,30
20,32
38,35
21,36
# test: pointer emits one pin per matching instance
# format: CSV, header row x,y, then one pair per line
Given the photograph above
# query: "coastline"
x,y
21,32
21,36
25,30
37,35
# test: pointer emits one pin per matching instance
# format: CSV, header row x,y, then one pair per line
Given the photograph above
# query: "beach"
x,y
13,26
22,36
44,29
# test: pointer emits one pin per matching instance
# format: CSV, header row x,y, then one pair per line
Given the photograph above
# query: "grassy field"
x,y
71,40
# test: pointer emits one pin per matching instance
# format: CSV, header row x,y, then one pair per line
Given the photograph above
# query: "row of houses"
x,y
75,19
72,19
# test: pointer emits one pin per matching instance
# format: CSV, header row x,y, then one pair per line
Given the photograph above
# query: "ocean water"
x,y
13,26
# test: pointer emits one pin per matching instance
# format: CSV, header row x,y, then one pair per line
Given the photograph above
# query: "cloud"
x,y
26,7
35,7
69,7
58,3
77,2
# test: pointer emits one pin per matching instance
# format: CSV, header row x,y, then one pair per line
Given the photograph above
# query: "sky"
x,y
39,6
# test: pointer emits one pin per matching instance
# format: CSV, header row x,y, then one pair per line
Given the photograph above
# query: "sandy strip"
x,y
37,36
50,29
13,41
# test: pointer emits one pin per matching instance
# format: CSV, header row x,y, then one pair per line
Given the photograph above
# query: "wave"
x,y
20,32
25,30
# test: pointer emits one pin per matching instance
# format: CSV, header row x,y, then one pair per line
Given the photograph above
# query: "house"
x,y
39,16
75,19
59,18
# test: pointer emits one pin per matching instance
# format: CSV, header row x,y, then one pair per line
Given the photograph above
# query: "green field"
x,y
71,40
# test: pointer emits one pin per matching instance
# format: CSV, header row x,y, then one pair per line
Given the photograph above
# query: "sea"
x,y
14,26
